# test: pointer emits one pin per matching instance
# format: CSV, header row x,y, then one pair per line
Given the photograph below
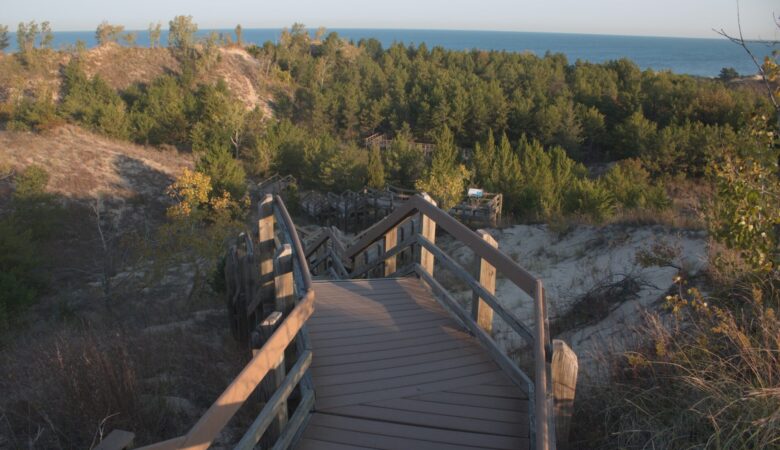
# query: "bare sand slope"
x,y
577,266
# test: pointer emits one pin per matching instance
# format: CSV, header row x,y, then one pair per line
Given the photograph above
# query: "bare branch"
x,y
744,44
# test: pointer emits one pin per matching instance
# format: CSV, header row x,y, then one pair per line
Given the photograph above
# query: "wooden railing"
x,y
376,251
270,299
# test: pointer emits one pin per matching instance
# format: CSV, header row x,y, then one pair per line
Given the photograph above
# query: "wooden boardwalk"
x,y
393,370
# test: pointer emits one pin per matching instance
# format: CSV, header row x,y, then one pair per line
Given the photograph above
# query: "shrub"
x,y
31,183
93,103
226,172
630,184
19,286
589,199
36,112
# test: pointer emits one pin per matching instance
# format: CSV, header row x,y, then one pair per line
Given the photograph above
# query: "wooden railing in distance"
x,y
284,266
479,319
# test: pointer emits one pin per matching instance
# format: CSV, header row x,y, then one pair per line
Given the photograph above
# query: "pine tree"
x,y
47,37
446,178
376,170
155,30
239,35
4,43
485,162
225,171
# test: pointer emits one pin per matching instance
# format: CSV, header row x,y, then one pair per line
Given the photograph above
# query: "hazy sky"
x,y
694,18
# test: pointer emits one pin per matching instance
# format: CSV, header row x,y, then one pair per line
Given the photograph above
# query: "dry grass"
x,y
708,378
83,165
68,389
122,67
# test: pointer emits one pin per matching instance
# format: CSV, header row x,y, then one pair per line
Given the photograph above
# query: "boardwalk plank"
x,y
395,372
392,370
401,361
511,404
473,412
416,432
433,420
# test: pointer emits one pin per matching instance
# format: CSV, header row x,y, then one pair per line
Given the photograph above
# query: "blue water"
x,y
703,57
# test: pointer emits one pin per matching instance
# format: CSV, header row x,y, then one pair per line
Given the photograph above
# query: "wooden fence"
x,y
270,299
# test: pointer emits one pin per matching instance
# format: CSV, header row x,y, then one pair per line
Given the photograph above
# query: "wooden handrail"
x,y
503,263
224,408
478,289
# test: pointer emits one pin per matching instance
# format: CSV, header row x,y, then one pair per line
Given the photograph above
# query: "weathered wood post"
x,y
283,280
428,231
265,252
273,379
231,286
391,240
481,311
541,410
564,383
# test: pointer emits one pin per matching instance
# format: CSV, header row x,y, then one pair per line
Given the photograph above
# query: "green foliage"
x,y
25,39
376,169
404,163
31,183
239,35
445,180
93,103
545,175
728,74
106,33
36,112
181,33
160,113
155,30
4,41
227,174
47,37
746,211
590,199
633,137
631,187
19,286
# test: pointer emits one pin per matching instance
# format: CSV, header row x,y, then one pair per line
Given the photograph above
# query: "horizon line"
x,y
473,30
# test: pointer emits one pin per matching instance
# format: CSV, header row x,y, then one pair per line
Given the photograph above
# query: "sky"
x,y
684,18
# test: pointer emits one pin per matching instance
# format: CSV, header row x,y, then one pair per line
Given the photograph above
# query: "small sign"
x,y
476,193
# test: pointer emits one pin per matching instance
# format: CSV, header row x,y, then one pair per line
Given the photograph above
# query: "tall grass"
x,y
708,378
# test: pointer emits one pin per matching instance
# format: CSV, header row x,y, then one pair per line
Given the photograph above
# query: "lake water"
x,y
704,57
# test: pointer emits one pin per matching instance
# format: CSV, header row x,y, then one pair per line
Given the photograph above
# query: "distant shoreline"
x,y
685,55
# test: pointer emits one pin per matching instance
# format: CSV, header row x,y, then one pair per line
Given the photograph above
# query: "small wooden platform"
x,y
392,370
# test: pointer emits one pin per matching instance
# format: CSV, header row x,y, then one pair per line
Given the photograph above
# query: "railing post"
x,y
265,250
273,379
391,240
564,382
283,280
480,311
540,379
428,231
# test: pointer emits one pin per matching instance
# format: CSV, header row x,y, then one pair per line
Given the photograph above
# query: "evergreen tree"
x,y
239,35
485,163
225,172
376,170
47,37
181,34
4,42
155,30
445,179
